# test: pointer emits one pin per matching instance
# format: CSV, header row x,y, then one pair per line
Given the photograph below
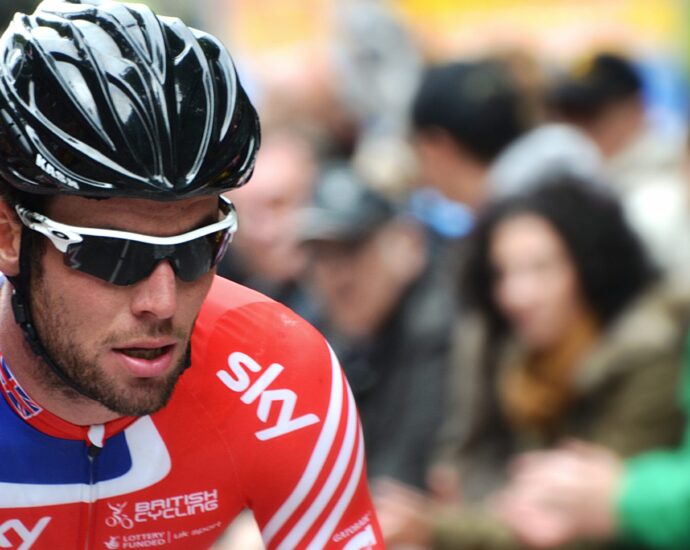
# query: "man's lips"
x,y
144,353
151,344
146,359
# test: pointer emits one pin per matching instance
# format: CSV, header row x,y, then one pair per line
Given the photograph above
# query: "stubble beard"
x,y
60,338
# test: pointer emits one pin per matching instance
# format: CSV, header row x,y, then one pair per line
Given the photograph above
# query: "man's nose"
x,y
156,295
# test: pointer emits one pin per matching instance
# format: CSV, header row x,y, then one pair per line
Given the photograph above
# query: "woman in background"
x,y
569,333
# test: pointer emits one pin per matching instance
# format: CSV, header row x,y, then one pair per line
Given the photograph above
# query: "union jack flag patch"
x,y
23,405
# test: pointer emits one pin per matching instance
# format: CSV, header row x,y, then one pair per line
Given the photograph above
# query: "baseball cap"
x,y
344,208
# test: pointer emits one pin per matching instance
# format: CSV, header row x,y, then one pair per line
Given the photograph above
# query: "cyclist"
x,y
146,402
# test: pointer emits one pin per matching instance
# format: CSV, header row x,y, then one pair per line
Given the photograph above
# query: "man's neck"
x,y
469,186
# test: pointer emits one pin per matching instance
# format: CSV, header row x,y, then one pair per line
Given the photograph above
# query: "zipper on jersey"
x,y
95,443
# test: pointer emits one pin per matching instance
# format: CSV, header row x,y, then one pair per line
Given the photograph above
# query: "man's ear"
x,y
10,239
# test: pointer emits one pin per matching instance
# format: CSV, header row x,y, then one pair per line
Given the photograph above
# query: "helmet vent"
x,y
121,102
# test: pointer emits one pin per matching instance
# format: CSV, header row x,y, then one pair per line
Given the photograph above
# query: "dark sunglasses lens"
x,y
117,261
193,259
125,262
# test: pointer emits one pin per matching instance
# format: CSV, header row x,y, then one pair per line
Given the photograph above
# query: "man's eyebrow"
x,y
209,219
206,220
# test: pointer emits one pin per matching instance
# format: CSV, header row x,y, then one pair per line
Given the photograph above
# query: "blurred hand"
x,y
404,514
443,481
555,497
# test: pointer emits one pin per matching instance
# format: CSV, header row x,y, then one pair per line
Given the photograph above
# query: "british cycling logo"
x,y
179,506
27,535
238,380
118,518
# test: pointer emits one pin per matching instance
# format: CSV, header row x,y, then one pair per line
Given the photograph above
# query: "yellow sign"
x,y
557,28
264,25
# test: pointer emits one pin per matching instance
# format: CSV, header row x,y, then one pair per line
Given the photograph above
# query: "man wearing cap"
x,y
387,313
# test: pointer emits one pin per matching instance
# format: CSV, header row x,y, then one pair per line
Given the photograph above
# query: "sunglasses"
x,y
124,258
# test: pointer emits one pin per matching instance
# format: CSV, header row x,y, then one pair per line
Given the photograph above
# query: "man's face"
x,y
281,184
359,283
126,345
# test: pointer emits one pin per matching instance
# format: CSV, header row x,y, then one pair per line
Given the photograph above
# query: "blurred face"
x,y
127,345
451,170
428,156
359,283
536,285
281,184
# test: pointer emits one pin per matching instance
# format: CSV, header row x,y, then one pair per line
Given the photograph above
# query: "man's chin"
x,y
141,396
134,396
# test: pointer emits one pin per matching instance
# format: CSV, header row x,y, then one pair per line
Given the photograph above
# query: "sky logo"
x,y
26,535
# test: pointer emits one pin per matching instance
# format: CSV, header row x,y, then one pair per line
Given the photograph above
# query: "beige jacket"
x,y
627,401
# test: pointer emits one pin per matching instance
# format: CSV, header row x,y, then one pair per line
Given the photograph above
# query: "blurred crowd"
x,y
495,247
497,250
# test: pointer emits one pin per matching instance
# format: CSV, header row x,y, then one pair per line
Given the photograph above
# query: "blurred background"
x,y
269,36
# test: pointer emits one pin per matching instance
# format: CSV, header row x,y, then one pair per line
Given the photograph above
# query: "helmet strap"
x,y
23,316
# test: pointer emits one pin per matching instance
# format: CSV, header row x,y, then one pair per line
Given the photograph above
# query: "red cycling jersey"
x,y
263,419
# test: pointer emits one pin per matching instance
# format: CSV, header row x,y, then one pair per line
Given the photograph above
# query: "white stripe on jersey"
x,y
345,454
318,456
330,524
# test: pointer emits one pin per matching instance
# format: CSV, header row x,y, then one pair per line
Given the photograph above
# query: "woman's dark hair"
x,y
610,260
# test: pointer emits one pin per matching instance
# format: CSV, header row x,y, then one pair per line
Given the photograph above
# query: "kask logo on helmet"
x,y
53,172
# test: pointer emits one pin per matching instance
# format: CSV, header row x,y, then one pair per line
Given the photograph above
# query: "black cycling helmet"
x,y
103,99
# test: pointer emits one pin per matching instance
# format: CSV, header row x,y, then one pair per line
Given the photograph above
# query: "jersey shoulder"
x,y
235,316
280,404
246,344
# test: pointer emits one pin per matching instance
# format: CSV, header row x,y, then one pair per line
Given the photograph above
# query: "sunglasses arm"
x,y
60,235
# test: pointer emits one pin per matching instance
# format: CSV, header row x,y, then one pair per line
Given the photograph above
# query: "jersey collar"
x,y
45,421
